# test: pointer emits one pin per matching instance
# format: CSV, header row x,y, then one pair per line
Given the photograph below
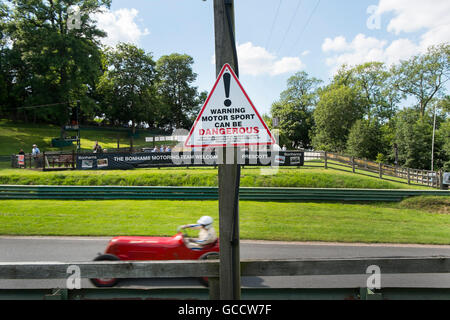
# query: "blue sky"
x,y
277,38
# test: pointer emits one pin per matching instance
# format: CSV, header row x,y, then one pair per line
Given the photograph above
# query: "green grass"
x,y
16,136
427,203
370,223
203,177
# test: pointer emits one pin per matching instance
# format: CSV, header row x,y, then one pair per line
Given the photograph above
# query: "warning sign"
x,y
228,117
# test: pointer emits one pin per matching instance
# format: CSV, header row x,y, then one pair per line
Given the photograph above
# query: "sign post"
x,y
227,120
229,174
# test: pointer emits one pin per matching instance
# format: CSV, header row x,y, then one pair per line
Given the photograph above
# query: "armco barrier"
x,y
207,193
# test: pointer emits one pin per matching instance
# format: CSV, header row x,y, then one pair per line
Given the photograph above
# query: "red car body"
x,y
156,248
152,248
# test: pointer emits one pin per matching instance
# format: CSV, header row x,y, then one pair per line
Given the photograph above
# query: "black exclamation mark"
x,y
226,82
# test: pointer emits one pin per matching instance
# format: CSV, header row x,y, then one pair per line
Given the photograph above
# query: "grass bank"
x,y
370,223
201,177
15,136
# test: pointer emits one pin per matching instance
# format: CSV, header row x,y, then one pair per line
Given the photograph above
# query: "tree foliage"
x,y
339,107
294,110
424,76
128,85
177,93
52,63
365,140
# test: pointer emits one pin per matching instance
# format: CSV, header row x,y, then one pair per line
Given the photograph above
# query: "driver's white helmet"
x,y
206,221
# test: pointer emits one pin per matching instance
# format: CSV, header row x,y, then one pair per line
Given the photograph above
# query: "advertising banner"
x,y
111,161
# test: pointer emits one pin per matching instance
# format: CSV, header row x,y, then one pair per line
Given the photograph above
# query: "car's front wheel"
x,y
105,282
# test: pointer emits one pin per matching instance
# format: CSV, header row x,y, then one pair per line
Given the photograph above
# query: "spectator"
x,y
155,149
161,149
168,149
284,147
97,148
35,151
21,152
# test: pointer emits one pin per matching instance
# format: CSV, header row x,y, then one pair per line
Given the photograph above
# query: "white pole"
x,y
432,144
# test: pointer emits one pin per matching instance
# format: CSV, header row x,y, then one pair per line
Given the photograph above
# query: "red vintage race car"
x,y
153,248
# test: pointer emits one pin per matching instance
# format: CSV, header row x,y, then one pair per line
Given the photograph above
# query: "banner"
x,y
21,159
111,161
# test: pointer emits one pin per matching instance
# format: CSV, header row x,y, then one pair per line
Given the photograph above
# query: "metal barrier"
x,y
210,268
207,193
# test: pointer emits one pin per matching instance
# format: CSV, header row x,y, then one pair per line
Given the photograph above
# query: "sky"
x,y
277,38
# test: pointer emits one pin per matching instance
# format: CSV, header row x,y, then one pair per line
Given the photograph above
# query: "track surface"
x,y
32,249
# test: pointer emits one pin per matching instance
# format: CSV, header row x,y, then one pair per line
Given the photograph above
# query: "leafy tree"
x,y
413,135
294,110
373,84
443,137
57,64
339,107
5,80
176,91
365,140
127,87
424,76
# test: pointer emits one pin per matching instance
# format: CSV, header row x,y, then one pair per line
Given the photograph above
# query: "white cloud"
x,y
432,18
120,26
306,53
254,60
414,15
336,44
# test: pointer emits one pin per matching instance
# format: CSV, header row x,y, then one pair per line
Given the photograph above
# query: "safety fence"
x,y
210,268
207,193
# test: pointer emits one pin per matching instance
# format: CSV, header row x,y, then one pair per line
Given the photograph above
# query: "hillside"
x,y
14,137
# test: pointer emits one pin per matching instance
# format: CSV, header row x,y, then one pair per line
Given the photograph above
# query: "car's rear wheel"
x,y
105,282
208,256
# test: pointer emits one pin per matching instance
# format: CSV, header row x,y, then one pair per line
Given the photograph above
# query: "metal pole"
x,y
229,171
432,143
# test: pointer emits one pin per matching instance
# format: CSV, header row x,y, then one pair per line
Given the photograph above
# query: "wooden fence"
x,y
210,268
428,178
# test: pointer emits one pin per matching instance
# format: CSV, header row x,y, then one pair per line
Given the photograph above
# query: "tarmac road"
x,y
76,249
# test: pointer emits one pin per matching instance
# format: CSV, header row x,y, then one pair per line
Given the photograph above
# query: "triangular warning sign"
x,y
228,117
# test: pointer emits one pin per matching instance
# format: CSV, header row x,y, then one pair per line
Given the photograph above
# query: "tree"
x,y
373,83
365,140
127,87
424,76
443,133
443,136
337,110
5,78
57,64
413,136
294,110
176,91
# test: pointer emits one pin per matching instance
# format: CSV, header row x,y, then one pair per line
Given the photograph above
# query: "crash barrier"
x,y
210,269
383,171
207,193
